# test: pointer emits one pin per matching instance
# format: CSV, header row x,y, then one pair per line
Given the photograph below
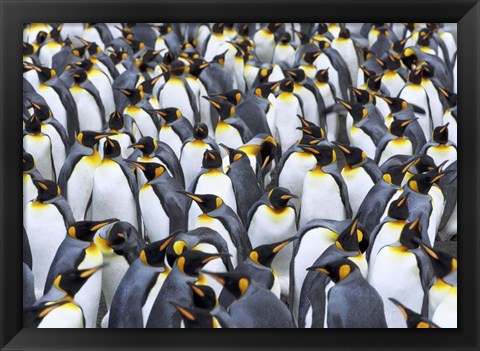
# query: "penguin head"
x,y
374,82
235,282
268,152
79,76
411,234
234,155
86,230
203,296
395,104
147,145
195,317
265,89
211,159
344,33
200,131
392,62
197,66
425,164
449,97
323,45
206,202
134,95
28,49
357,111
353,155
47,189
265,254
362,96
33,125
224,108
147,85
413,319
85,64
398,126
337,270
41,37
120,238
220,58
154,254
71,281
322,75
285,38
218,28
244,29
278,197
32,314
440,134
233,96
116,121
135,45
304,38
164,29
398,45
422,183
308,140
323,152
169,114
111,148
264,73
424,37
90,138
367,73
190,262
80,51
286,85
151,170
298,74
409,58
28,163
353,238
273,27
177,68
415,76
42,111
398,209
396,175
443,263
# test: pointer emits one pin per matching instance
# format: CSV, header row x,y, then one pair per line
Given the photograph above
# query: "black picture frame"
x,y
15,12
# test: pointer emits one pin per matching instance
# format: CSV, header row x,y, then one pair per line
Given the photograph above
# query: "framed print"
x,y
278,171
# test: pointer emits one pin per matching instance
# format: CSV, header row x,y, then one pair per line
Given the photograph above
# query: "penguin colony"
x,y
239,175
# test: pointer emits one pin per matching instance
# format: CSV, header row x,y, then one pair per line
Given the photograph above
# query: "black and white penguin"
x,y
176,130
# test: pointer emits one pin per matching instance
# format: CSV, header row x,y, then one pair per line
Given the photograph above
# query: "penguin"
x,y
360,174
141,111
231,130
163,207
253,304
120,244
91,110
115,192
446,313
76,176
394,143
216,77
212,180
47,216
415,94
450,113
448,184
58,309
120,128
197,318
346,47
327,92
273,219
413,319
77,251
412,274
220,217
351,302
284,51
265,42
30,173
177,93
148,149
39,146
175,288
214,42
394,76
322,183
55,131
435,102
98,33
30,32
134,297
176,129
440,148
243,177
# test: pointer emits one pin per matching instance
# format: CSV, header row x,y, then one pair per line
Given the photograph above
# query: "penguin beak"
x,y
160,112
89,272
103,135
407,122
319,269
191,196
429,251
136,164
215,256
103,224
345,104
213,102
400,307
186,313
40,184
344,149
214,276
288,197
284,243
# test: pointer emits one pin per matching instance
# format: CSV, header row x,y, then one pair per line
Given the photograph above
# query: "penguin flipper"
x,y
73,126
92,90
64,208
343,191
74,156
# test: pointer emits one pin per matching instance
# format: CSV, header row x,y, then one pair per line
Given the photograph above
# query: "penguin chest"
x,y
143,120
213,223
349,54
152,296
104,87
157,222
436,294
284,53
361,140
30,192
58,147
174,94
442,153
436,106
310,106
54,102
217,183
326,93
388,234
216,266
264,45
112,196
80,184
89,115
396,274
191,159
228,135
452,125
68,315
115,268
399,146
321,197
359,184
39,146
446,314
393,81
416,95
287,108
168,136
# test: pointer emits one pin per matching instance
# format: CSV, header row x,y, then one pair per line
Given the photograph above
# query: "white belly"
x,y
115,268
174,94
443,153
88,298
156,220
55,104
46,230
349,55
446,314
39,146
397,275
191,160
436,294
152,296
316,187
58,148
393,82
228,135
416,95
360,139
310,106
436,106
394,148
89,115
265,45
30,192
143,121
388,234
452,127
65,316
104,87
359,184
287,108
168,136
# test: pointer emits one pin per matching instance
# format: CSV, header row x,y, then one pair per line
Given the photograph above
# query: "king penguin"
x,y
30,173
176,130
265,42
